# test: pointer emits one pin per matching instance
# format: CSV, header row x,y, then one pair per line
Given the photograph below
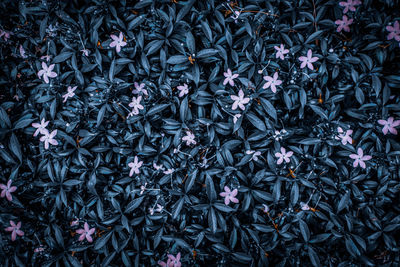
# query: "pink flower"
x,y
184,90
47,72
75,222
350,4
158,167
86,233
85,52
172,261
22,51
283,156
47,57
389,125
139,88
7,190
345,137
255,154
272,82
281,51
41,128
240,100
394,31
70,93
48,138
135,166
229,77
266,208
169,171
343,24
229,195
39,249
359,158
15,230
189,138
306,61
135,105
118,42
5,34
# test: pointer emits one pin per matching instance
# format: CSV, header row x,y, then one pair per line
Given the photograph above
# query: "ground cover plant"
x,y
200,133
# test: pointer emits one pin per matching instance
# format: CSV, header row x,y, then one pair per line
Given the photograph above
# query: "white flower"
x,y
48,138
118,42
135,166
189,138
183,89
255,154
47,72
70,93
240,100
230,77
283,156
135,104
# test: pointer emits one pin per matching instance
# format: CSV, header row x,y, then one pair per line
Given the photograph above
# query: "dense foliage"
x,y
200,133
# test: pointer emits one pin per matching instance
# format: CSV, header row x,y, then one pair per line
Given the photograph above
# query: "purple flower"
x,y
229,77
86,233
343,24
7,190
135,165
41,128
5,34
240,100
158,167
47,72
135,105
15,229
272,82
345,137
389,125
139,88
283,156
189,138
255,154
281,51
394,31
350,5
359,158
70,93
306,61
184,90
47,57
229,195
118,42
48,138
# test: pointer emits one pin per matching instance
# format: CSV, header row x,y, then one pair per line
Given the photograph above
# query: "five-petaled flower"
x,y
135,165
345,137
47,72
40,128
281,51
86,233
255,154
359,158
350,5
308,60
135,104
184,90
229,195
394,31
343,24
389,125
15,229
283,156
7,190
240,100
70,93
229,77
189,138
48,138
272,82
172,261
118,42
139,88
